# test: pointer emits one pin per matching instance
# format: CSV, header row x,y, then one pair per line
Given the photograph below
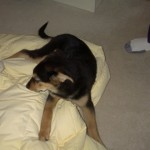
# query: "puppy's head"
x,y
50,75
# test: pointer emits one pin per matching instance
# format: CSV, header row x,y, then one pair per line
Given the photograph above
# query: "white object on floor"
x,y
137,45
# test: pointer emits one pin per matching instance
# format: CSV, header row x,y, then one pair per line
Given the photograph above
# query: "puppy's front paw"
x,y
44,135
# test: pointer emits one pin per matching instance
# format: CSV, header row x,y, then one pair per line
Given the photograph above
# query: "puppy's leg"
x,y
19,54
90,120
29,55
47,118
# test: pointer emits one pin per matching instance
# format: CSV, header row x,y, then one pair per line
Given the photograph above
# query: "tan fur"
x,y
42,86
82,102
52,85
62,77
20,54
90,120
45,127
89,117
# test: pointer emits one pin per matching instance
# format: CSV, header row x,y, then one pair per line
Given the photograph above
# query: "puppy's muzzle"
x,y
30,84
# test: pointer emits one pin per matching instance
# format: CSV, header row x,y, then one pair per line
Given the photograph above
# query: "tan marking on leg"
x,y
81,102
90,120
46,119
21,54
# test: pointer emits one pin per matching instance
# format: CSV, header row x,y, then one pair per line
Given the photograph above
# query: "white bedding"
x,y
21,109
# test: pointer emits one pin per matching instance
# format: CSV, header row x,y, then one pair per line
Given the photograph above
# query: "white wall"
x,y
89,5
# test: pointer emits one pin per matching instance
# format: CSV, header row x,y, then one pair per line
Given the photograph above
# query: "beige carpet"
x,y
123,112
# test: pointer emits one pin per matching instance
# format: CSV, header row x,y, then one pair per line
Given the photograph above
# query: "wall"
x,y
89,5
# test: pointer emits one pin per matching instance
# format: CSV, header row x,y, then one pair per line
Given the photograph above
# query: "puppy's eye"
x,y
51,73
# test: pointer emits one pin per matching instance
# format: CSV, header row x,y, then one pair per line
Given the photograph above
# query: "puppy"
x,y
66,68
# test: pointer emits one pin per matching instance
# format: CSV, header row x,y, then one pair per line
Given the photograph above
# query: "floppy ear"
x,y
67,87
62,77
59,79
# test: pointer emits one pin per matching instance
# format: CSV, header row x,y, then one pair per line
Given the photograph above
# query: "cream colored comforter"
x,y
21,109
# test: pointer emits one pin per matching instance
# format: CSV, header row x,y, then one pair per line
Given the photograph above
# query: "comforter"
x,y
21,109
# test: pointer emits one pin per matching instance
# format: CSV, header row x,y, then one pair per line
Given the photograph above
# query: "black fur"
x,y
71,56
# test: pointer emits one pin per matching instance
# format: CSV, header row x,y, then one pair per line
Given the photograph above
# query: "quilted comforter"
x,y
21,109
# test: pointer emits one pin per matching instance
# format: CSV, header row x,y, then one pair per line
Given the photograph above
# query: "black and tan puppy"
x,y
67,69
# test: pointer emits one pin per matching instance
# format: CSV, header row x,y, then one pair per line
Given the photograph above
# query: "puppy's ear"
x,y
67,87
62,77
59,78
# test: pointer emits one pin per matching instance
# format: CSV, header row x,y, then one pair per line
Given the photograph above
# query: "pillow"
x,y
21,109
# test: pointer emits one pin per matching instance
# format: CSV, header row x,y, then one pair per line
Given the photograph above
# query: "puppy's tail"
x,y
42,33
